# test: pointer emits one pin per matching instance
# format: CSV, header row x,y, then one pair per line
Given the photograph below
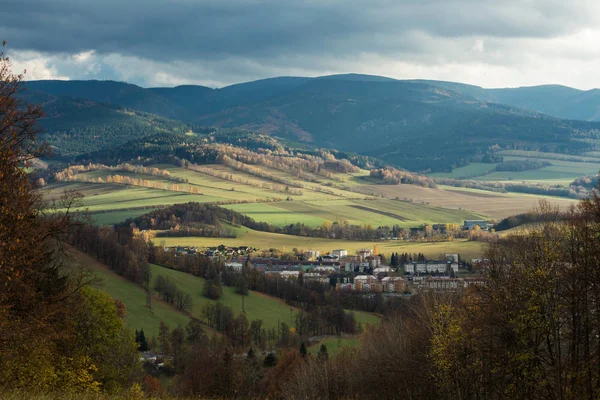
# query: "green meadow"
x,y
137,316
334,345
257,305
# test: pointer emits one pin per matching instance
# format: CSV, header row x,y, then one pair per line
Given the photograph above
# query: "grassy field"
x,y
590,157
113,217
334,345
560,172
356,212
563,170
257,305
467,172
138,315
366,318
109,203
264,240
278,214
494,205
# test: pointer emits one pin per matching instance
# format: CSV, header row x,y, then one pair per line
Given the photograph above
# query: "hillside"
x,y
415,125
137,316
79,125
556,100
257,305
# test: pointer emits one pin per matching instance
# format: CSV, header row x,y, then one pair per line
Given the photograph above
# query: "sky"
x,y
490,43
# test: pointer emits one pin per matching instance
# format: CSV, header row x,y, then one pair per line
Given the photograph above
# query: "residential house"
x,y
312,254
340,253
393,284
367,283
382,270
443,284
364,253
374,261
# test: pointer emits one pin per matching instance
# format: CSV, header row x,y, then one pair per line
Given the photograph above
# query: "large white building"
x,y
312,254
340,253
429,267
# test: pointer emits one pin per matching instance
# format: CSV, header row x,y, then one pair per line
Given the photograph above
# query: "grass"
x,y
564,168
482,202
113,217
257,305
138,316
264,240
366,318
467,172
355,212
334,345
549,156
277,213
112,203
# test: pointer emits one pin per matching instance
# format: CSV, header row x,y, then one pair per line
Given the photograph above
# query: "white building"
x,y
289,274
364,253
381,270
325,269
429,267
235,265
340,253
453,256
312,254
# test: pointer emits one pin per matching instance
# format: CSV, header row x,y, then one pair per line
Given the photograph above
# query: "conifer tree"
x,y
303,351
323,355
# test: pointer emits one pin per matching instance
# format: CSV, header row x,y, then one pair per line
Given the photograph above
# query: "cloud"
x,y
218,42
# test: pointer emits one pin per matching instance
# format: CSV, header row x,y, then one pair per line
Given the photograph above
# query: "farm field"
x,y
109,203
114,217
265,240
277,213
491,204
137,316
355,212
122,197
563,170
467,172
209,181
550,156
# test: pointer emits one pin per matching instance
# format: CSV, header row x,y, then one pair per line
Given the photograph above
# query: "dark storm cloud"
x,y
216,29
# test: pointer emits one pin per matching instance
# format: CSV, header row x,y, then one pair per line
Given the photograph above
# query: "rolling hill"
x,y
417,125
555,100
79,125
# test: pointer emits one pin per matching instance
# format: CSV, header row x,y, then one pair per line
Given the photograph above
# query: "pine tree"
x,y
323,355
143,343
303,351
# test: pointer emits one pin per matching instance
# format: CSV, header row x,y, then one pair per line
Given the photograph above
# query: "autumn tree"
x,y
35,290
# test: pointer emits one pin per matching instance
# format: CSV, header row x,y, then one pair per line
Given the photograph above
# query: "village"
x,y
366,271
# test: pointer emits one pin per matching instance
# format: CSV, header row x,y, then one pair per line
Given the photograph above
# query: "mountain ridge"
x,y
414,124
